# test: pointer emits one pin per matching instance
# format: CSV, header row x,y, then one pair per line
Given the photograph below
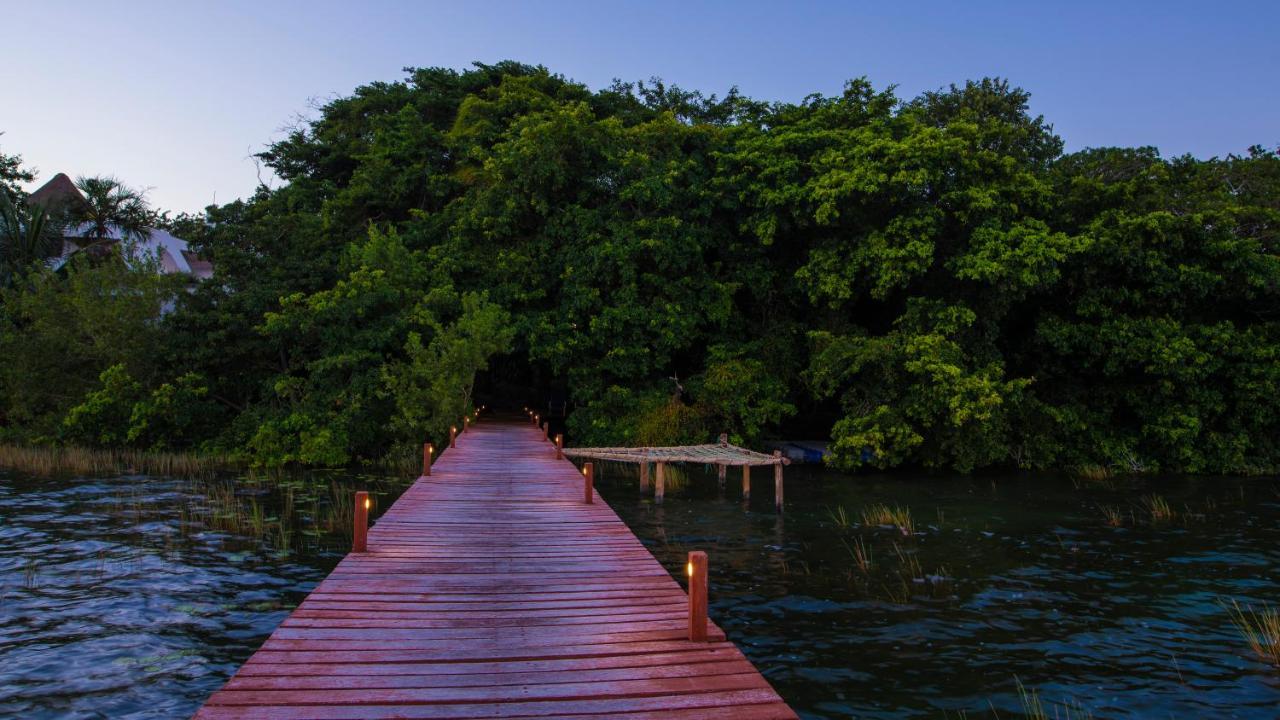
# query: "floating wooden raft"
x,y
491,589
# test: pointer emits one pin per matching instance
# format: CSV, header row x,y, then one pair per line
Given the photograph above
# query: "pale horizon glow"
x,y
176,97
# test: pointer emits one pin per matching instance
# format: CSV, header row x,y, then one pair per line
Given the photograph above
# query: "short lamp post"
x,y
697,572
360,531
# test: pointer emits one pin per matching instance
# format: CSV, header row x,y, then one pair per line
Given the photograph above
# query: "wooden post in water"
x,y
427,450
360,532
644,476
721,469
746,482
453,436
697,572
777,480
659,485
559,446
588,483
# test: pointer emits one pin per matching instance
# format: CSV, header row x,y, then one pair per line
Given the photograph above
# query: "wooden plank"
x,y
490,589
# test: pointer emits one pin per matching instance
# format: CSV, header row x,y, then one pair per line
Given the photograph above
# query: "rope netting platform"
x,y
714,454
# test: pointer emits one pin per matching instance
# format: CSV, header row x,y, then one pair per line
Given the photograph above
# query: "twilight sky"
x,y
174,96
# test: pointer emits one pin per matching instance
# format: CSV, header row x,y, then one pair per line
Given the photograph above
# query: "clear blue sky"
x,y
174,96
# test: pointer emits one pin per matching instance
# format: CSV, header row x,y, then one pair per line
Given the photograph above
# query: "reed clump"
x,y
1113,516
1260,628
49,461
1158,508
1034,709
861,554
840,517
881,514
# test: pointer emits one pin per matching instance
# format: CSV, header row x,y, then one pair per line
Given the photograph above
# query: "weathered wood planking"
x,y
491,590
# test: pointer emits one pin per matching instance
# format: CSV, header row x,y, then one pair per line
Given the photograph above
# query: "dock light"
x,y
360,523
588,483
427,450
367,503
688,569
453,436
697,569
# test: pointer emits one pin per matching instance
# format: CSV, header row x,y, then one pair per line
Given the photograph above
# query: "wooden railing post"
x,y
697,572
746,482
453,436
559,446
777,480
660,482
360,532
427,450
588,482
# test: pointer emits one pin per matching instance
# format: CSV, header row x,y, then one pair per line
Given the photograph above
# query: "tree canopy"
x,y
928,282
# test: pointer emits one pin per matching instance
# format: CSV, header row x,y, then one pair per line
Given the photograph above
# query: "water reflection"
x,y
137,597
1002,579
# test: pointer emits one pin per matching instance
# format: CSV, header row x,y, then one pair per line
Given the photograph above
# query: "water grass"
x,y
1260,628
50,461
882,515
1113,516
1158,508
861,554
840,517
1033,708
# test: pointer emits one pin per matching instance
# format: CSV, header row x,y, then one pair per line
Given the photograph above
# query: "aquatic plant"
x,y
1158,508
48,461
1034,709
840,517
881,514
1092,475
1260,628
909,564
861,554
1112,515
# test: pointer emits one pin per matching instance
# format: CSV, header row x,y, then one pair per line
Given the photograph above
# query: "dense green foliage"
x,y
931,282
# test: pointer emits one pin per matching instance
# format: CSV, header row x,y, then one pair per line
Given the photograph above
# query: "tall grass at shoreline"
x,y
49,461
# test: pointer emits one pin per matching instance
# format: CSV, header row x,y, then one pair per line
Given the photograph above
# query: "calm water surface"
x,y
137,597
1006,578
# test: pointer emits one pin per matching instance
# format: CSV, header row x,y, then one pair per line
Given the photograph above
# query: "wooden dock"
x,y
491,589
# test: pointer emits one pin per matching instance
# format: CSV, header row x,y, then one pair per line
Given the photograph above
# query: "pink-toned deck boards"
x,y
491,590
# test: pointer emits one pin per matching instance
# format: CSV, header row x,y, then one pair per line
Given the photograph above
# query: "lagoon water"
x,y
136,597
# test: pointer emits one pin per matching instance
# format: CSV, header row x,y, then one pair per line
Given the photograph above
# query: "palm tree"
x,y
27,235
111,211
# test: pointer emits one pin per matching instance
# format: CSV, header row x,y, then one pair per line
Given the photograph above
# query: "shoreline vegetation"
x,y
53,460
47,461
929,282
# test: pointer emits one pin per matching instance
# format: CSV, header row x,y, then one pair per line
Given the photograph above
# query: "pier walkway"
x,y
491,589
